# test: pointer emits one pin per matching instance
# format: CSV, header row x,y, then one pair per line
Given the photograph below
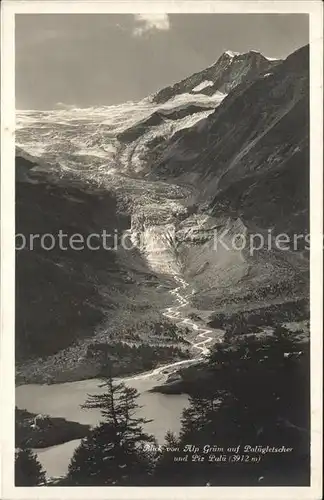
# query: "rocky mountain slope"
x,y
70,304
183,104
258,127
249,164
226,73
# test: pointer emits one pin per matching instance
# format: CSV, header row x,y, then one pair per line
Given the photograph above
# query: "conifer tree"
x,y
118,450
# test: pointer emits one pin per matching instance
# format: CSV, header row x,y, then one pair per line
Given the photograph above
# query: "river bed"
x,y
65,400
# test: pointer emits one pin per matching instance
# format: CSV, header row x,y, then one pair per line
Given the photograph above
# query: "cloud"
x,y
149,22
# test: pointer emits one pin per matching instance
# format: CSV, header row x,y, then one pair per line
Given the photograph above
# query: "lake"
x,y
65,400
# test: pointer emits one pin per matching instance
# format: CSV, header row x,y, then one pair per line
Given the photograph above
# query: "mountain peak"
x,y
232,54
228,71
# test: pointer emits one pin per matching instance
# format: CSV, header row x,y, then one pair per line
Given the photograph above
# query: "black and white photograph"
x,y
162,311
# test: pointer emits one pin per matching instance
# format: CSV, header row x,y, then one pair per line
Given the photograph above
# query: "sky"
x,y
84,60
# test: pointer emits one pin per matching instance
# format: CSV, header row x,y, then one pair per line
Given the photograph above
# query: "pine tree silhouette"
x,y
118,451
166,470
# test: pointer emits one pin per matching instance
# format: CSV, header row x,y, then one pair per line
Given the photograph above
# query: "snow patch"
x,y
231,53
268,58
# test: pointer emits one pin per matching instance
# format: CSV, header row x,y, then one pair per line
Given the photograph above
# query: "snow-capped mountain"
x,y
226,148
191,131
180,106
231,69
260,128
103,141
